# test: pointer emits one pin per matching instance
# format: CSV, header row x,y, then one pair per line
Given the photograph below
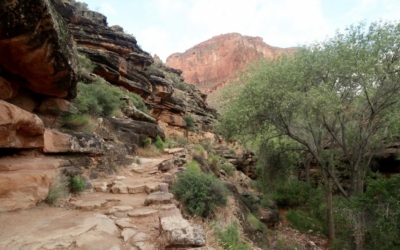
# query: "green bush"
x,y
57,189
193,166
101,98
168,143
77,184
75,121
256,223
199,193
251,202
228,168
213,163
230,238
85,63
304,222
189,122
293,193
147,142
159,143
182,86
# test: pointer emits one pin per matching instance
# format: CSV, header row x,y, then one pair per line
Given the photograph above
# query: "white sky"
x,y
164,27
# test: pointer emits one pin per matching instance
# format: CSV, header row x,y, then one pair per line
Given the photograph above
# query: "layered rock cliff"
x,y
212,63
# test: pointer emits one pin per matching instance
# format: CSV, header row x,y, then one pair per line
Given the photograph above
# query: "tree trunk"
x,y
331,222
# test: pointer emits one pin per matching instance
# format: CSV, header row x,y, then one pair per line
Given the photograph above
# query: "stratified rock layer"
x,y
211,63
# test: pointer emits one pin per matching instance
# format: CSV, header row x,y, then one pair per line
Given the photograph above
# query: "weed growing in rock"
x,y
57,190
168,143
147,142
159,143
189,122
200,193
77,184
213,163
228,168
230,238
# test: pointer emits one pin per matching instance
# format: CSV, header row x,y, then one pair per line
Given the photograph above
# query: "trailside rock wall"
x,y
211,63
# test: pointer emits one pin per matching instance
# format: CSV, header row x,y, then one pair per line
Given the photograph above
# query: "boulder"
x,y
158,198
7,90
177,232
57,106
38,47
19,128
58,142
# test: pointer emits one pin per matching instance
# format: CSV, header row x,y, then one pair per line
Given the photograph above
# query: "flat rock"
x,y
152,187
173,150
166,165
143,212
128,233
89,205
140,237
125,223
100,187
136,189
168,178
119,188
139,169
158,198
119,209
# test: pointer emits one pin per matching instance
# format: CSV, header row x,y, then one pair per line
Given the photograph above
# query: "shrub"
x,y
291,194
77,184
189,122
230,238
256,223
57,190
101,98
304,222
150,151
193,166
84,63
75,121
199,193
168,143
228,168
181,85
251,202
213,163
147,142
159,143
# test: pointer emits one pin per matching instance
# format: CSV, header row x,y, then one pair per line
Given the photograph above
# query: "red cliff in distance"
x,y
214,62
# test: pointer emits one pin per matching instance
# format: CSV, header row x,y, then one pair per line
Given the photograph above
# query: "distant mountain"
x,y
211,64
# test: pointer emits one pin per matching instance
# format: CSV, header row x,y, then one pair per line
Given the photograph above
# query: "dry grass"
x,y
150,151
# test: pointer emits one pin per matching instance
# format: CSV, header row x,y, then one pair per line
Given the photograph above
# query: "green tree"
x,y
336,101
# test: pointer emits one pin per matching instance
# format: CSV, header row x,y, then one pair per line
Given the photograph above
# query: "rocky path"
x,y
132,210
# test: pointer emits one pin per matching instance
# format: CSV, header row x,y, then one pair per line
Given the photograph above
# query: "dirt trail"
x,y
114,219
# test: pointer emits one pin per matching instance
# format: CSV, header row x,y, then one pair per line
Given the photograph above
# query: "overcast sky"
x,y
164,27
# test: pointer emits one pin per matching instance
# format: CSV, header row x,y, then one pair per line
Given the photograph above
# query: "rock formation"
x,y
214,62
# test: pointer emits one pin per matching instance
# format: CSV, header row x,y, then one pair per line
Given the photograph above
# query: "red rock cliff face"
x,y
212,63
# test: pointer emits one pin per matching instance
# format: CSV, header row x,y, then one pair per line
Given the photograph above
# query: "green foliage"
x,y
77,184
168,143
228,168
84,63
380,210
101,98
251,202
293,193
159,143
75,121
182,86
57,190
214,163
200,193
230,238
147,142
193,166
304,222
256,223
189,122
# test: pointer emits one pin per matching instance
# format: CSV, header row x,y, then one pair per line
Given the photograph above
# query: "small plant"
x,y
256,223
75,121
168,143
159,143
150,151
193,166
199,193
181,141
213,163
304,222
228,168
230,238
251,202
292,194
77,184
147,142
189,122
181,85
138,161
57,189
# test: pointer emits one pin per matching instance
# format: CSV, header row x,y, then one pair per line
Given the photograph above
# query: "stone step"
x,y
89,205
143,212
158,198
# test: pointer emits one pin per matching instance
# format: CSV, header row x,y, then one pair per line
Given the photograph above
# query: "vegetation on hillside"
x,y
334,104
